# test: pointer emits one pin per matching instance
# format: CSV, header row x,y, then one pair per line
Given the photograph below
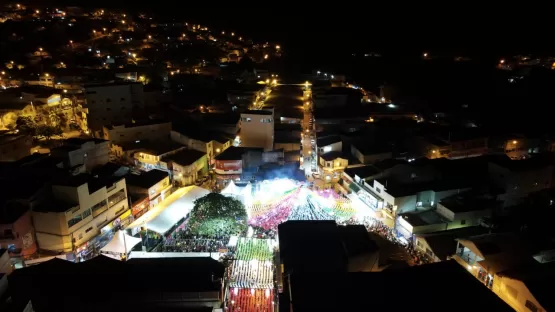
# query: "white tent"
x,y
176,211
247,190
121,243
231,189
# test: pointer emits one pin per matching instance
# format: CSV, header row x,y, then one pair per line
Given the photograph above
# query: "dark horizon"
x,y
337,31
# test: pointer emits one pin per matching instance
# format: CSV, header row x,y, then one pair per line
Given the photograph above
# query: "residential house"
x,y
187,166
155,183
210,142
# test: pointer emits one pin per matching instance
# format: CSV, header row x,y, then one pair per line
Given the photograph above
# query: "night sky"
x,y
348,27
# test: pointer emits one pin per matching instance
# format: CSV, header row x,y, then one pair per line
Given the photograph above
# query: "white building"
x,y
257,129
83,155
136,131
82,206
210,142
112,103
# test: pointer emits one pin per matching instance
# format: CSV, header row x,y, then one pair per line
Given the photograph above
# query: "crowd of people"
x,y
277,215
185,241
375,226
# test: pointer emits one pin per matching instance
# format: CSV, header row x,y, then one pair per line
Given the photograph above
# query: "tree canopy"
x,y
215,214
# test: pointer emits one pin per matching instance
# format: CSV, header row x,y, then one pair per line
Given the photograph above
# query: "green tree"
x,y
26,125
48,131
215,214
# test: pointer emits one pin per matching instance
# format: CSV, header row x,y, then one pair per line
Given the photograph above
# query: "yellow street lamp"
x,y
266,56
278,47
47,75
515,141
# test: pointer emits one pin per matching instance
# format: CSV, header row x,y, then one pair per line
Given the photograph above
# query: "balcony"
x,y
116,198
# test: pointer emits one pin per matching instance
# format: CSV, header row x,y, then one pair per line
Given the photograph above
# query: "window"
x,y
531,306
463,222
86,213
74,220
88,230
80,236
378,190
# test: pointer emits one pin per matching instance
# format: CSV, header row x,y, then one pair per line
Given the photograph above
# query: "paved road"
x,y
289,101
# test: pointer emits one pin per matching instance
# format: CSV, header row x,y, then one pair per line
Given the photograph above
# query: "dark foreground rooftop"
x,y
106,284
432,287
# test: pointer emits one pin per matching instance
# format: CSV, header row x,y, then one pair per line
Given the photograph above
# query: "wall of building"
x,y
187,175
514,293
121,134
91,154
334,147
288,146
52,229
369,158
189,142
5,264
112,104
333,165
23,235
257,131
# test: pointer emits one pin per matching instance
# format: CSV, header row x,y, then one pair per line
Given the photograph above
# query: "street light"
x,y
266,56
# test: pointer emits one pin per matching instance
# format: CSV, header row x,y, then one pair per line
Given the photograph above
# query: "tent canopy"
x,y
231,189
176,211
120,243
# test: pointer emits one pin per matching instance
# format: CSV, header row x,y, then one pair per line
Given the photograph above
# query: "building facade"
x,y
257,129
112,103
125,133
82,207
